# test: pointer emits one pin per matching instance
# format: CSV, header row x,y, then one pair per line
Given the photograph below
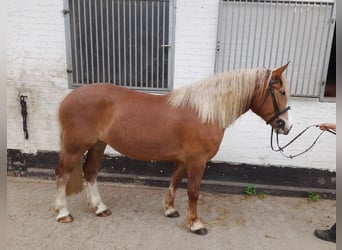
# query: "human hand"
x,y
326,126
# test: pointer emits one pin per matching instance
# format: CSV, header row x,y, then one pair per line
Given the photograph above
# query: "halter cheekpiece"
x,y
279,123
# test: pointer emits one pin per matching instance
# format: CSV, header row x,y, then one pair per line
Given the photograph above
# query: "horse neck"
x,y
258,99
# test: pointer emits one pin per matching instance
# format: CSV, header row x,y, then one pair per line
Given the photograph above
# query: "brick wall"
x,y
36,65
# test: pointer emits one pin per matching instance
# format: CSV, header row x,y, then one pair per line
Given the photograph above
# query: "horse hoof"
x,y
66,219
174,214
104,213
201,231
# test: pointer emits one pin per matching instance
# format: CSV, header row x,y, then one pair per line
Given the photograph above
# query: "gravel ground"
x,y
233,221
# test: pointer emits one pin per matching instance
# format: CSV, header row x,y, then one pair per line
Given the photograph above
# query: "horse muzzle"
x,y
279,121
282,127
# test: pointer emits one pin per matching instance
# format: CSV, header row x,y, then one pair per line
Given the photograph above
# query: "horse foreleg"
x,y
178,173
195,173
90,169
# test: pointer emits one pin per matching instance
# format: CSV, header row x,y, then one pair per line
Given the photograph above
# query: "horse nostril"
x,y
280,124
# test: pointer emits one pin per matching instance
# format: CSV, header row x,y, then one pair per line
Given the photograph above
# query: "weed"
x,y
313,196
250,190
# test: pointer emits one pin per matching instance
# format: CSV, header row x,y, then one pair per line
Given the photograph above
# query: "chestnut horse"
x,y
185,126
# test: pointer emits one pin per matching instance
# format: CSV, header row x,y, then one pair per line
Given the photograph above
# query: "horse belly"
x,y
165,139
144,144
145,134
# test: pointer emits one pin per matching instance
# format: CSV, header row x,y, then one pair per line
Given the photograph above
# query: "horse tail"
x,y
75,182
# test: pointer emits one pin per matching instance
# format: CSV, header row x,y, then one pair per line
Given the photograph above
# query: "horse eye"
x,y
282,92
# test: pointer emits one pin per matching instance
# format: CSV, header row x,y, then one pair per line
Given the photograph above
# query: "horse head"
x,y
270,101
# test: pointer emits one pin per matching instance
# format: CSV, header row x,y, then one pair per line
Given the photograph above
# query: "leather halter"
x,y
280,123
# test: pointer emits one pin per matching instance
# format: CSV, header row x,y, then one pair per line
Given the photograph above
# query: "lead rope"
x,y
281,148
24,115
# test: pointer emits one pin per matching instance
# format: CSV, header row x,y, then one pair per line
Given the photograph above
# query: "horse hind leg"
x,y
68,168
179,172
90,170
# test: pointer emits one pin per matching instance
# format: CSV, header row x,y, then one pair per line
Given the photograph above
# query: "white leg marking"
x,y
167,208
60,203
196,225
94,198
172,191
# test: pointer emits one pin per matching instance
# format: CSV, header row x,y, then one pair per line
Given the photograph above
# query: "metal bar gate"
x,y
124,42
269,33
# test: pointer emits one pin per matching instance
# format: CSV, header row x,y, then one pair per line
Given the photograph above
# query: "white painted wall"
x,y
195,40
36,65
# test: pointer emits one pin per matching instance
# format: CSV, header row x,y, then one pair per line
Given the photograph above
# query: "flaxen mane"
x,y
222,98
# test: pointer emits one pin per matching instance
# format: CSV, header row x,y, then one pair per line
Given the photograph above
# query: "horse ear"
x,y
277,72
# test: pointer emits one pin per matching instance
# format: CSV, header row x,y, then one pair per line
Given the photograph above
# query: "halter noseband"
x,y
280,123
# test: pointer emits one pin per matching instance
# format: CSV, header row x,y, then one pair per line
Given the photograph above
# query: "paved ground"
x,y
234,221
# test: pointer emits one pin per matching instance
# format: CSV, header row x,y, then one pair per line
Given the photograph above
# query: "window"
x,y
124,42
